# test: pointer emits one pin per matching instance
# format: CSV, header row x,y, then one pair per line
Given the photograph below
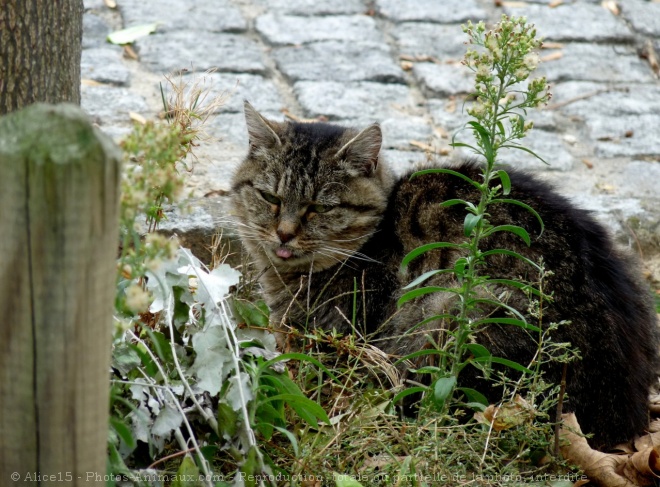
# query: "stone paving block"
x,y
338,61
443,79
187,50
260,92
444,12
398,132
595,62
313,7
592,100
105,65
364,101
639,179
280,30
174,15
95,31
108,105
581,22
94,5
643,16
629,135
423,38
547,145
401,162
621,120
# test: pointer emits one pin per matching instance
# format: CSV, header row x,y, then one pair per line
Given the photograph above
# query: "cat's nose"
x,y
285,236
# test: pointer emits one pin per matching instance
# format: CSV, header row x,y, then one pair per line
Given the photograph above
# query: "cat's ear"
x,y
260,130
361,152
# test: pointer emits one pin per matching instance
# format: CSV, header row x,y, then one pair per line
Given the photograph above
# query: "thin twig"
x,y
560,406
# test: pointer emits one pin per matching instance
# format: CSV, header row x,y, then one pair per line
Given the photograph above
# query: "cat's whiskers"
x,y
350,254
364,236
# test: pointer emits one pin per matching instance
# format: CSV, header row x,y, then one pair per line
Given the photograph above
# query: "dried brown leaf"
x,y
90,82
129,52
612,6
552,45
555,3
654,426
553,56
639,469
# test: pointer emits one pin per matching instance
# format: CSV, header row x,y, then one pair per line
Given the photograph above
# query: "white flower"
x,y
137,299
531,61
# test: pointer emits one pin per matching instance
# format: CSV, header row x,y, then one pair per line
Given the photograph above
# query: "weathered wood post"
x,y
59,193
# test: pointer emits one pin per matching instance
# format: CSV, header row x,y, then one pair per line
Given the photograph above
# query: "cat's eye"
x,y
272,199
320,208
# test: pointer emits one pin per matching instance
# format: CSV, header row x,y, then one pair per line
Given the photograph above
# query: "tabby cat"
x,y
324,221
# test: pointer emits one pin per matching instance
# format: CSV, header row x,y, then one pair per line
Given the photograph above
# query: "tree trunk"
x,y
40,48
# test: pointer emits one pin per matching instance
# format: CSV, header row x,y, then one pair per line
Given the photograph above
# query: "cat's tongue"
x,y
283,253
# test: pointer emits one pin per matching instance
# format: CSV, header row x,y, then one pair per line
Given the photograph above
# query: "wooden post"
x,y
59,196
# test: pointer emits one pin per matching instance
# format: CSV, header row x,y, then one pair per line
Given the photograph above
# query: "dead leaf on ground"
x,y
553,56
639,469
552,45
555,3
507,415
612,6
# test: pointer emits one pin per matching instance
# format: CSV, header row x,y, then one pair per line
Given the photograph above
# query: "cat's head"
x,y
308,194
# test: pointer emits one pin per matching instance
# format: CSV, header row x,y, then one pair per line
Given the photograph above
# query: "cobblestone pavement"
x,y
397,62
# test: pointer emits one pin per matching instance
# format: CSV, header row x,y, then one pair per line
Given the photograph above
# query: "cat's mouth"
x,y
283,253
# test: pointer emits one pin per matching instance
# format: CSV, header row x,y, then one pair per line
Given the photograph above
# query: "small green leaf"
x,y
442,389
520,231
415,293
525,149
518,285
511,364
459,267
254,314
344,480
506,321
292,439
123,431
305,407
506,182
478,350
131,34
250,467
188,474
302,357
425,276
448,203
473,395
523,205
412,255
470,222
149,365
227,420
511,253
447,171
408,392
484,136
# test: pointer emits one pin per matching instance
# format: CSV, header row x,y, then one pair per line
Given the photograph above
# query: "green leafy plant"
x,y
197,384
503,62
